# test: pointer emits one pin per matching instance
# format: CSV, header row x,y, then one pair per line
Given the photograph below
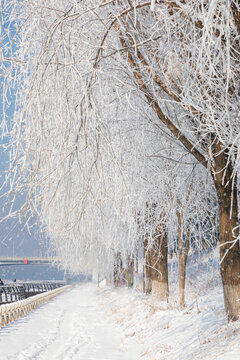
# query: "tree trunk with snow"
x,y
226,188
137,284
159,266
182,258
147,282
129,271
117,269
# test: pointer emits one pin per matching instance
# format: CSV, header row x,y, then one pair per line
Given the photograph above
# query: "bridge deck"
x,y
26,261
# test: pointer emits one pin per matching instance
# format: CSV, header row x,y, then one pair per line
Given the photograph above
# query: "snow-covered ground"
x,y
91,323
200,331
72,326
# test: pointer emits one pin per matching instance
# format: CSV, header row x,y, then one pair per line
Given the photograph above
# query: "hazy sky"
x,y
14,237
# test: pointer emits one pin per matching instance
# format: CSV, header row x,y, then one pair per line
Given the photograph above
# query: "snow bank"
x,y
199,331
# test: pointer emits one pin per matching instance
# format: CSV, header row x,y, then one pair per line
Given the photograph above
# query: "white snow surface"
x,y
94,323
71,326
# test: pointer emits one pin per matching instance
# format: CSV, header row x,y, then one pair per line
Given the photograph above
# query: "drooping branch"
x,y
154,104
171,4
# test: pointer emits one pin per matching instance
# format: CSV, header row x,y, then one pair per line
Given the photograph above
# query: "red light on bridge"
x,y
25,261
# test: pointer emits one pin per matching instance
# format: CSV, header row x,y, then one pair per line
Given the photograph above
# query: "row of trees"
x,y
126,129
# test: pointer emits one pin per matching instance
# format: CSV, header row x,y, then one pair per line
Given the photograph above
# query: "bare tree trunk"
x,y
226,188
136,281
182,262
129,271
136,263
159,265
117,269
147,282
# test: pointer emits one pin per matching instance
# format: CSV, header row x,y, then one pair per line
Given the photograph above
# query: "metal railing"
x,y
33,288
15,310
9,294
13,292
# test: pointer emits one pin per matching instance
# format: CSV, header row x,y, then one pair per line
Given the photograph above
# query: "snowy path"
x,y
71,326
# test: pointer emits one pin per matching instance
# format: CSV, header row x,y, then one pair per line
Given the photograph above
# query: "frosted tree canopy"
x,y
119,106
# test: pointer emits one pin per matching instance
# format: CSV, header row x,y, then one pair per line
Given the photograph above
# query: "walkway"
x,y
72,326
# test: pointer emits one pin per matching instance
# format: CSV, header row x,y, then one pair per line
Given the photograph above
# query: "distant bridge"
x,y
26,261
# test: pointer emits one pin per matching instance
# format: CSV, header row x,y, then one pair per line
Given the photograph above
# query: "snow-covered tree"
x,y
76,66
